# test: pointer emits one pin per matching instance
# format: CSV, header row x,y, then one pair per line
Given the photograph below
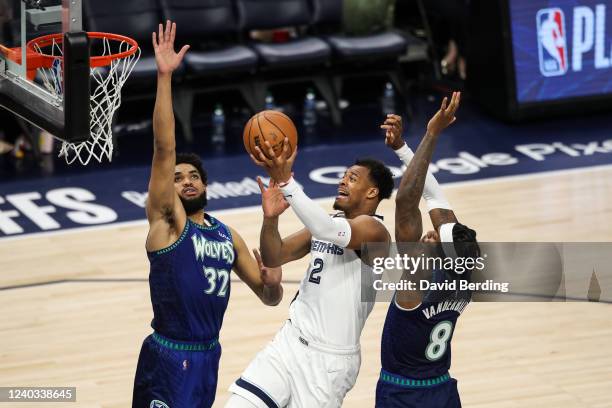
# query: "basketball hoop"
x,y
108,72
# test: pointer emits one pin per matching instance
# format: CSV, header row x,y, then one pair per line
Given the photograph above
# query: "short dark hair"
x,y
195,161
464,239
380,175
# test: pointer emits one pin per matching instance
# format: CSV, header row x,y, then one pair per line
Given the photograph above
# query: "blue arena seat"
x,y
372,54
216,59
300,59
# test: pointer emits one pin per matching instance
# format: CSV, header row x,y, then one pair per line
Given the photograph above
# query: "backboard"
x,y
61,103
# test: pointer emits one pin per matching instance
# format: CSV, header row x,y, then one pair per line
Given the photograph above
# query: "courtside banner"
x,y
464,153
486,272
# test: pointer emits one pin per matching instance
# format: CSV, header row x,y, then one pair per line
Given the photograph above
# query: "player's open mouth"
x,y
190,191
341,195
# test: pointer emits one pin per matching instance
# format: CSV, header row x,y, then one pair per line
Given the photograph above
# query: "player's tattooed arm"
x,y
441,120
264,281
441,216
408,224
440,209
413,181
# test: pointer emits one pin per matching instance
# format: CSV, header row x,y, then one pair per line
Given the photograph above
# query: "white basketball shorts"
x,y
295,372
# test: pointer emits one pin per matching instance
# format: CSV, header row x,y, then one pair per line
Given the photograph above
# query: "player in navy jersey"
x,y
415,350
192,255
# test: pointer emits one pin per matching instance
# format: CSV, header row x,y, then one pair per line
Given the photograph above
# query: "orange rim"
x,y
41,59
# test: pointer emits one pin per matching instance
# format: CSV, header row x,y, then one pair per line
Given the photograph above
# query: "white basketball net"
x,y
106,84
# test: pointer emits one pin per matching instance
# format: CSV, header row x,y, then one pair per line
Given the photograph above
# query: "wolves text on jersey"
x,y
213,249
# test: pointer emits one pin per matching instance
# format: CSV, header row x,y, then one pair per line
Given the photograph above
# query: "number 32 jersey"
x,y
328,307
190,282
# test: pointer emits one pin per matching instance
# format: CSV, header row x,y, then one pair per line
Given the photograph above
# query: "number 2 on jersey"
x,y
318,267
438,340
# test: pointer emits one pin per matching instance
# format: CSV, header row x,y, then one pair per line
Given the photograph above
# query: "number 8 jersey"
x,y
190,282
416,343
328,307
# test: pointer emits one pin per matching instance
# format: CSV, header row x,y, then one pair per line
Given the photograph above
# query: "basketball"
x,y
271,126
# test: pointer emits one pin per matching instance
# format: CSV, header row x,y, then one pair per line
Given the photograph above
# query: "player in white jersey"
x,y
314,359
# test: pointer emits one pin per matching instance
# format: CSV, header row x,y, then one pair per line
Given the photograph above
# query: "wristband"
x,y
405,154
289,186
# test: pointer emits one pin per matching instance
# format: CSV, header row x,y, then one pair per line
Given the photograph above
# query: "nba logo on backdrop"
x,y
552,44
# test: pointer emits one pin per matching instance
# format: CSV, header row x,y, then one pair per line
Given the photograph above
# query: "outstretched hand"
x,y
163,44
278,167
394,130
445,116
272,200
270,277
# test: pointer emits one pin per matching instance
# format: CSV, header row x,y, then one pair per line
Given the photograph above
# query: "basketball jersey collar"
x,y
341,214
214,223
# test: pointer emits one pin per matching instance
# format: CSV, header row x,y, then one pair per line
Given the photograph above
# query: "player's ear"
x,y
373,192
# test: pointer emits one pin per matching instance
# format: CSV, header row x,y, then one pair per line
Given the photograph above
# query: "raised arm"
x,y
163,206
413,180
440,210
274,250
264,281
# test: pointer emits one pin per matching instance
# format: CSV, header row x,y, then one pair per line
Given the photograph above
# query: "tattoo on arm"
x,y
408,226
441,216
413,181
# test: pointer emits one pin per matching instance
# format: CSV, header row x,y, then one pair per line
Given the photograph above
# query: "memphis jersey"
x,y
328,307
417,343
190,282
